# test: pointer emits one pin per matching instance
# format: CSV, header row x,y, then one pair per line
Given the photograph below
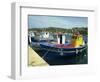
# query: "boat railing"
x,y
61,51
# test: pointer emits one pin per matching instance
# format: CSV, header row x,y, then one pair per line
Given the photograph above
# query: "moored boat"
x,y
61,48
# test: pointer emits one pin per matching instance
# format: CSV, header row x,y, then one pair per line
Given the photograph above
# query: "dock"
x,y
34,59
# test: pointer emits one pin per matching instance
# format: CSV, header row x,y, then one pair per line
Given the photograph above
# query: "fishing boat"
x,y
45,36
35,39
62,48
31,36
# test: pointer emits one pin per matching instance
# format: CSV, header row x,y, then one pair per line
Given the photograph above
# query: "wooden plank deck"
x,y
34,59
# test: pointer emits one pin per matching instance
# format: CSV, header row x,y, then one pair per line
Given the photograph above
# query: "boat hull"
x,y
62,51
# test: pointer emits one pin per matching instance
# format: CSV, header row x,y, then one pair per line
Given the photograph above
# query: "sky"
x,y
36,21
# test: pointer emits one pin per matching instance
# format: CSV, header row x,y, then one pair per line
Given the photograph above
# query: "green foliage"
x,y
81,30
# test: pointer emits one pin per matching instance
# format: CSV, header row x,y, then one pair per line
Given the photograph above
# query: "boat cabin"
x,y
77,40
45,35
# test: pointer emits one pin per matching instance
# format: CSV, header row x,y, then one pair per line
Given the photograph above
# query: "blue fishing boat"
x,y
62,48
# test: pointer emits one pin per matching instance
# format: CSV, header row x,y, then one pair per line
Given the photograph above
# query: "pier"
x,y
34,59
